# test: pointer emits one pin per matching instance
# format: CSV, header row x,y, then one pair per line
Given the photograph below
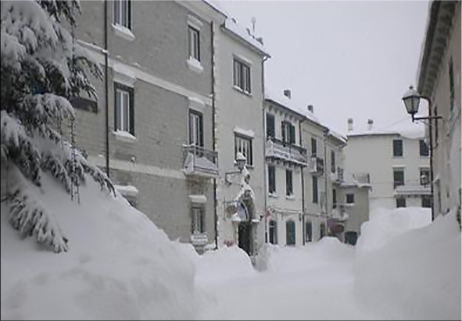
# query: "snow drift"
x,y
409,269
119,264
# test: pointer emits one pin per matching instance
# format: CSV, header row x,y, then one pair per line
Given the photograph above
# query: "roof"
x,y
412,131
439,24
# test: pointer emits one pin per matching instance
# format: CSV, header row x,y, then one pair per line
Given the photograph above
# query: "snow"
x,y
410,131
195,64
232,25
411,273
412,190
124,136
246,132
126,190
119,264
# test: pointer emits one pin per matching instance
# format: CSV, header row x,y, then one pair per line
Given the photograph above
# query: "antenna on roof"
x,y
254,22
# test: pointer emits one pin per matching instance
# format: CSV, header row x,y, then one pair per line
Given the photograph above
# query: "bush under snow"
x,y
120,265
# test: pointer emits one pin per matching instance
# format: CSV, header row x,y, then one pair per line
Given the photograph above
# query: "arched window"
x,y
273,232
308,231
242,212
290,232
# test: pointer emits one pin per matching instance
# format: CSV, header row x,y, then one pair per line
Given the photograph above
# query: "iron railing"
x,y
200,161
276,148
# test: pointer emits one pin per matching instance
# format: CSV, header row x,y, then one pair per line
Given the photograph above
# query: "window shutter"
x,y
129,14
283,132
201,131
292,134
132,112
116,109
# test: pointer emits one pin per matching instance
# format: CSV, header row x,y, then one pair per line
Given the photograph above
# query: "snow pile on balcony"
x,y
409,269
119,264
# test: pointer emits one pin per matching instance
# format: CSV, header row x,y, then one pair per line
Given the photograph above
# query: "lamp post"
x,y
240,163
411,101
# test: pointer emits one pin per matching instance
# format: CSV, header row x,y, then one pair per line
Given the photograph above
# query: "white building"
x,y
396,163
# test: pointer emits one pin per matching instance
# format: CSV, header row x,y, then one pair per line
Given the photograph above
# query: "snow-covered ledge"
x,y
273,195
196,104
195,65
123,75
290,197
198,199
245,132
124,136
127,190
123,32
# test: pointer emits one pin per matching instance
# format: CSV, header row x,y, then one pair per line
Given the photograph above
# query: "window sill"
x,y
194,65
273,195
397,156
123,32
290,197
242,91
124,136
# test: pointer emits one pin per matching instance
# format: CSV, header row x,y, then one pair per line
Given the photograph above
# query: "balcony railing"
x,y
276,148
199,161
337,176
362,178
316,165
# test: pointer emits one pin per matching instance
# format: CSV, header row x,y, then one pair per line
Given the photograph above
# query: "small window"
x,y
398,177
452,90
198,220
196,131
400,202
289,183
332,161
290,232
308,231
424,176
423,148
124,109
243,145
123,13
194,43
242,76
350,198
426,201
315,189
314,147
397,148
273,232
288,132
270,126
271,179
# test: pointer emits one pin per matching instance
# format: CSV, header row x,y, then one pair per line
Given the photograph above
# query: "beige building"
x,y
439,81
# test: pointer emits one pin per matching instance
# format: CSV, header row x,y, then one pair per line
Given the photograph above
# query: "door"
x,y
290,233
245,236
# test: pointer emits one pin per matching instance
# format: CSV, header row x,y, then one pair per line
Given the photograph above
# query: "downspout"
x,y
215,203
265,190
106,82
430,131
303,185
325,171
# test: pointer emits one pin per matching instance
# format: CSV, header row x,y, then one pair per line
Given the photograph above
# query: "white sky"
x,y
346,58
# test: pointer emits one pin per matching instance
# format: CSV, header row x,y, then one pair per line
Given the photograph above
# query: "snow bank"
x,y
119,264
327,252
416,274
385,225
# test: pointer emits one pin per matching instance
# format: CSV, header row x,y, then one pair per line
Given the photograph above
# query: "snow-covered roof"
x,y
232,26
338,136
413,131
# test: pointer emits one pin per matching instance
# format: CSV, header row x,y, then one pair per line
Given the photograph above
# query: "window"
x,y
398,177
194,43
322,230
426,201
315,189
423,148
242,76
334,198
308,231
198,222
271,179
290,232
350,198
123,13
289,184
273,232
243,145
124,109
400,202
270,126
288,132
314,147
196,132
332,161
452,91
424,176
397,148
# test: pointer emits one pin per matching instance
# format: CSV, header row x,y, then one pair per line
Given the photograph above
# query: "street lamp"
x,y
240,164
411,101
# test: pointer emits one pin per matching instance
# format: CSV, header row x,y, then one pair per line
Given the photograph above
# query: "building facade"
x,y
395,163
152,126
439,81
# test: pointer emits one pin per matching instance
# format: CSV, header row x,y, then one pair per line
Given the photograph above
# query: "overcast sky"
x,y
346,58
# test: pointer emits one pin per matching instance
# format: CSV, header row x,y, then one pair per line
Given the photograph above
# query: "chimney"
x,y
350,124
287,93
370,123
311,108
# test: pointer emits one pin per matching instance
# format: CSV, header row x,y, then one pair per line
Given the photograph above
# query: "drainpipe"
x,y
430,131
265,191
106,82
215,203
303,184
325,171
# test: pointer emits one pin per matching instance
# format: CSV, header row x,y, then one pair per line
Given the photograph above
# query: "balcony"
x,y
362,178
316,166
277,149
200,162
411,190
337,176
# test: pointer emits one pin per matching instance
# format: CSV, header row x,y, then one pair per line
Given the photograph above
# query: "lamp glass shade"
x,y
411,100
240,161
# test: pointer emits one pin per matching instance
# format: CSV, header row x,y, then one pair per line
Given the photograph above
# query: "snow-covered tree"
x,y
42,68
